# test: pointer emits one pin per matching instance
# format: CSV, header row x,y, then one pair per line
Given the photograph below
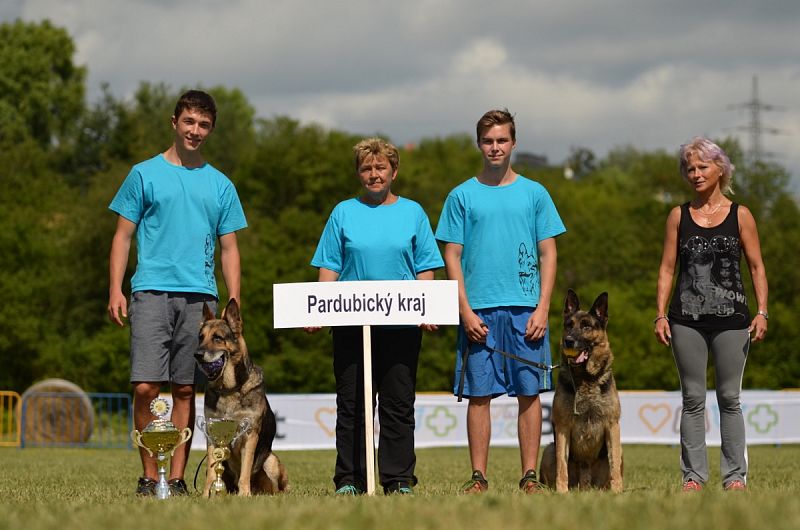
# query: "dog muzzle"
x,y
575,356
212,368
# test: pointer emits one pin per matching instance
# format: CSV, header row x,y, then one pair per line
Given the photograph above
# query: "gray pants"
x,y
690,348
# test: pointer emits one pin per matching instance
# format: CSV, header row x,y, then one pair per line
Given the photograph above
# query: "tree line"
x,y
62,160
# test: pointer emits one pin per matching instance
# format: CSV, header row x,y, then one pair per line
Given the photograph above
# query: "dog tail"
x,y
276,473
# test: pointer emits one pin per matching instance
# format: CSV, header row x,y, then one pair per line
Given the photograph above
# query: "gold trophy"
x,y
162,438
221,433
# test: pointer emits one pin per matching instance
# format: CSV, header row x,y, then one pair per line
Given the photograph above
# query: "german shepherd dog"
x,y
236,391
587,451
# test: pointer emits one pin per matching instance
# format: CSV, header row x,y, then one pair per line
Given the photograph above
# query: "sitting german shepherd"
x,y
586,411
236,391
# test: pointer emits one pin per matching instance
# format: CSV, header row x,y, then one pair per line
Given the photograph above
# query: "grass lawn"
x,y
92,489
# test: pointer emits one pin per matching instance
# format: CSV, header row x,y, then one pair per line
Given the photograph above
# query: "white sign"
x,y
402,302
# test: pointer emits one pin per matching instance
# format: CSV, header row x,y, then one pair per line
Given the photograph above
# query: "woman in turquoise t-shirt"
x,y
377,236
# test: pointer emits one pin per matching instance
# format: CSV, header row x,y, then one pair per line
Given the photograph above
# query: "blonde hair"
x,y
708,151
376,147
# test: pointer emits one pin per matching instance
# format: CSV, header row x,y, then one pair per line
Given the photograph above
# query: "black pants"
x,y
395,353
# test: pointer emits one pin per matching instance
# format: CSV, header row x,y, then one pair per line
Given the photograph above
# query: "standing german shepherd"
x,y
586,411
236,391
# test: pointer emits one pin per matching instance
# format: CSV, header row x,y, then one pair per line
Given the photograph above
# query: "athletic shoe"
x,y
349,490
735,485
691,485
177,487
399,488
146,487
476,484
530,484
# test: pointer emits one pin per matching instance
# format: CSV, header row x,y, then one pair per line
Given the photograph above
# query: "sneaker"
x,y
177,487
399,488
530,484
146,487
691,485
349,490
476,484
735,485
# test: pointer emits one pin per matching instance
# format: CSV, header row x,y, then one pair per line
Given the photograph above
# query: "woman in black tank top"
x,y
709,311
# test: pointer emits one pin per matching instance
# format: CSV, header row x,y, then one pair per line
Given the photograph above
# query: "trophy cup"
x,y
222,433
162,438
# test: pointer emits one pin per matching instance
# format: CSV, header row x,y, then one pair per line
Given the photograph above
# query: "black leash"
x,y
465,356
197,471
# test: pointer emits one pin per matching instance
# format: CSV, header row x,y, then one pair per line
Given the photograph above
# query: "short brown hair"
x,y
376,147
496,117
197,100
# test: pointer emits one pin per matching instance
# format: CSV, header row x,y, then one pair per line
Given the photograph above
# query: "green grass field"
x,y
93,489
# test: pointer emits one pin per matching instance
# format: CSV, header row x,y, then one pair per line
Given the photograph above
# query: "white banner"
x,y
410,302
308,421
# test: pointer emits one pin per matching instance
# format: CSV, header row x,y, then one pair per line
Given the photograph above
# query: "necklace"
x,y
708,215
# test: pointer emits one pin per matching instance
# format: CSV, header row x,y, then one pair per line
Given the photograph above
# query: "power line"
x,y
755,128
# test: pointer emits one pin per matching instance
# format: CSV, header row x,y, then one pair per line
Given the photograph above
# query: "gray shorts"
x,y
164,335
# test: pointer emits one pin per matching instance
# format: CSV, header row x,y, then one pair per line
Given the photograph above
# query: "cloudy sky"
x,y
591,73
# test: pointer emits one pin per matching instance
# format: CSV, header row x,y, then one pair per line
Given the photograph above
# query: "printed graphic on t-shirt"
x,y
209,260
713,282
528,274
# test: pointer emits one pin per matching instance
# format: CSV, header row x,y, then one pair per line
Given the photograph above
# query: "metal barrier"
x,y
10,419
71,419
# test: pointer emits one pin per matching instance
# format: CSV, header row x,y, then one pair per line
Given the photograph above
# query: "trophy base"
x,y
162,490
218,490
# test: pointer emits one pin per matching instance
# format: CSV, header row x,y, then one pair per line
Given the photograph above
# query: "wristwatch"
x,y
763,314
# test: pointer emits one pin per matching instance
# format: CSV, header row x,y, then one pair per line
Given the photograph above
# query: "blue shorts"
x,y
492,374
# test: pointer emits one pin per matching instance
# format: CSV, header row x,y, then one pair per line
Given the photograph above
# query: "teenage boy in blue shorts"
x,y
499,230
176,205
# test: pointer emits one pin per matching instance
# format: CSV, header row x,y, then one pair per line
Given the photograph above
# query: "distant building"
x,y
532,160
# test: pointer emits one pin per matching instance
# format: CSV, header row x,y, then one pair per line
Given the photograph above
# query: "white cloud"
x,y
594,73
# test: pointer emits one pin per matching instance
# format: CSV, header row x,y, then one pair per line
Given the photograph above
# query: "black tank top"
x,y
709,293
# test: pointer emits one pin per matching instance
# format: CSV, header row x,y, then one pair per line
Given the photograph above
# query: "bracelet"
x,y
659,317
763,314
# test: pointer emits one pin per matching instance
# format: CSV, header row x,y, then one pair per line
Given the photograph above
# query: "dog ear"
x,y
207,313
232,316
600,308
571,302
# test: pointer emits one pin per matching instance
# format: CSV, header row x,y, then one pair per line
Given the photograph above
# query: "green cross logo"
x,y
441,421
762,418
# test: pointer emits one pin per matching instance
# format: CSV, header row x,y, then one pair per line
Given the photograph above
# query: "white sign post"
x,y
368,303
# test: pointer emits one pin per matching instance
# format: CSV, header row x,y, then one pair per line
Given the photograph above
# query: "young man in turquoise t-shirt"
x,y
176,206
499,231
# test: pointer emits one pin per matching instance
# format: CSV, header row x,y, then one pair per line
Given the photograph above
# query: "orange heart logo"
x,y
654,416
326,419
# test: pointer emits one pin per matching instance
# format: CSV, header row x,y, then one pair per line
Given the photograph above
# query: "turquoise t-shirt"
x,y
500,228
386,242
179,213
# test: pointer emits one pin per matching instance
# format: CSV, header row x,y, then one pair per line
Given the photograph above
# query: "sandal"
x,y
530,484
476,484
